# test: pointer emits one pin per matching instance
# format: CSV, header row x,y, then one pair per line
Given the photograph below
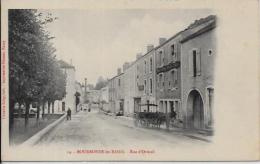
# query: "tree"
x,y
101,82
90,86
33,70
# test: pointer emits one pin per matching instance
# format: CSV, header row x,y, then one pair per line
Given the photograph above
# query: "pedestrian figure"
x,y
173,114
69,114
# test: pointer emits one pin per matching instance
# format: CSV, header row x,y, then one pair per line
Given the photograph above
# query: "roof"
x,y
64,64
199,27
168,40
202,21
195,24
205,25
116,76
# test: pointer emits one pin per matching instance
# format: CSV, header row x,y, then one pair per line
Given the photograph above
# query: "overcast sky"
x,y
100,41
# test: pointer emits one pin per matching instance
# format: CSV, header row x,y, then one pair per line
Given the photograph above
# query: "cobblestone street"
x,y
94,129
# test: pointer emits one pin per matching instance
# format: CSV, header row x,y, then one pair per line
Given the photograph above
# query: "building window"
x,y
151,86
194,54
118,82
195,63
161,58
174,77
151,64
210,104
160,80
145,86
174,52
144,66
210,52
172,49
164,80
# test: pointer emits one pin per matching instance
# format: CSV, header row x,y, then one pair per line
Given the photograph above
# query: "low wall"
x,y
38,136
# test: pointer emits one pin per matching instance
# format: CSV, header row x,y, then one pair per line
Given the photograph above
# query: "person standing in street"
x,y
69,114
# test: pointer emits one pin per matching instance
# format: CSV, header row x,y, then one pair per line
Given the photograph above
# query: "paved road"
x,y
94,129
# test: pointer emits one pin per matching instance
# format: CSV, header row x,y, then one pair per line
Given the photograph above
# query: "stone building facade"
x,y
145,81
198,52
177,75
111,94
116,92
129,70
69,100
168,75
104,94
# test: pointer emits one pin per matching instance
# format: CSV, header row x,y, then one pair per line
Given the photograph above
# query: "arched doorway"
x,y
195,110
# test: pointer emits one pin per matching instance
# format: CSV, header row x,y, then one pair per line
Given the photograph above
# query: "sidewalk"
x,y
194,134
21,134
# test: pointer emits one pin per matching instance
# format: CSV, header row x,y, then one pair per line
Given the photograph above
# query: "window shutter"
x,y
190,66
175,77
163,58
175,51
198,62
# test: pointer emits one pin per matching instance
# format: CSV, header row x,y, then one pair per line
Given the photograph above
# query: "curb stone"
x,y
190,134
38,136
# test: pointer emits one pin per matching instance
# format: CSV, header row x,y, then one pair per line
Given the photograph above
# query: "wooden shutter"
x,y
175,77
198,62
175,51
190,66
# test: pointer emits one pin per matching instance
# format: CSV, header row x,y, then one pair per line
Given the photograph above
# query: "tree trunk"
x,y
38,111
52,105
27,108
11,115
20,110
49,104
167,119
43,109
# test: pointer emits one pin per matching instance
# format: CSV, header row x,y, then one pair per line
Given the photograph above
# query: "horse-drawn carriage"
x,y
155,119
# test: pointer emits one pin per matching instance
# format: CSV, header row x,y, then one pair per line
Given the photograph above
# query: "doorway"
x,y
137,102
195,110
63,106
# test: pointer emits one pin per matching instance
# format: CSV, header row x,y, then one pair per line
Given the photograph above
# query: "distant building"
x,y
93,96
176,76
116,92
145,81
104,94
198,52
129,88
80,90
69,100
111,95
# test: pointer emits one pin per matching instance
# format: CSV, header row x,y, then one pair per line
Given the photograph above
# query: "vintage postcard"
x,y
159,80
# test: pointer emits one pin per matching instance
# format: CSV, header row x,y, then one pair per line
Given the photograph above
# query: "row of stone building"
x,y
177,75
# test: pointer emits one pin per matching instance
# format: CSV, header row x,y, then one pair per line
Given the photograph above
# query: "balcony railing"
x,y
168,67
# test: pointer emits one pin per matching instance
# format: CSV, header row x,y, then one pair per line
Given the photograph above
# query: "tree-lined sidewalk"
x,y
34,72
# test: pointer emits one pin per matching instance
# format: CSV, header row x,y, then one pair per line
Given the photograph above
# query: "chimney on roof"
x,y
125,66
138,55
162,40
119,71
149,47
